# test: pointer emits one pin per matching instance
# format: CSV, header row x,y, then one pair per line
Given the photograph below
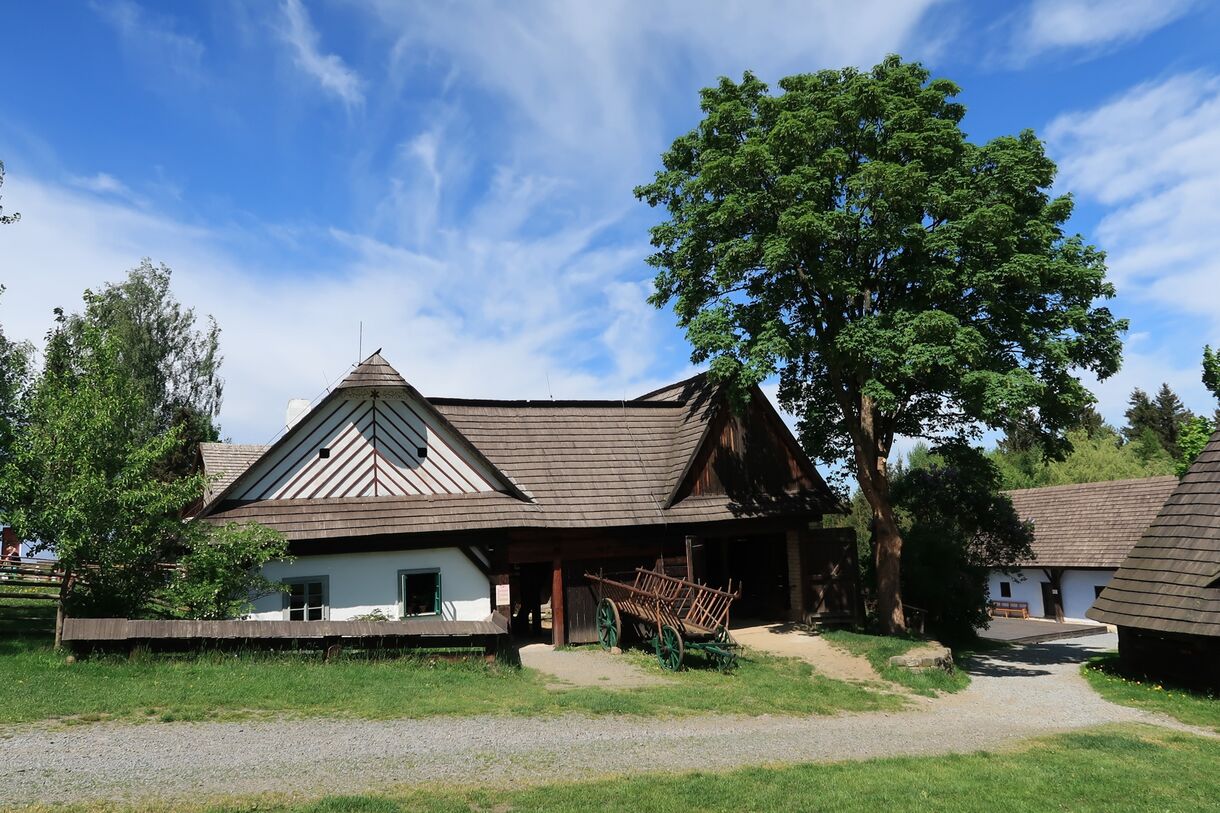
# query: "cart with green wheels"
x,y
673,615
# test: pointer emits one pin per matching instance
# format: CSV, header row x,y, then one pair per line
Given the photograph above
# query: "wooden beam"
x,y
559,632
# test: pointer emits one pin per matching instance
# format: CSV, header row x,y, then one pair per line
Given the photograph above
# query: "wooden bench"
x,y
1008,609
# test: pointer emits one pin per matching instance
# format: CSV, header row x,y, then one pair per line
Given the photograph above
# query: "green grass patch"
x,y
1116,770
1106,676
227,686
878,649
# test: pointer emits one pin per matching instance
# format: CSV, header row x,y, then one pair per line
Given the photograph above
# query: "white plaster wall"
x,y
1078,595
1027,589
363,582
1077,587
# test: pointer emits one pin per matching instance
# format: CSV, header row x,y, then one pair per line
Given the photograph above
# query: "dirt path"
x,y
1016,694
575,667
780,639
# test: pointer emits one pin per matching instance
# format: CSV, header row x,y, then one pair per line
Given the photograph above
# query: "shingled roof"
x,y
1170,582
374,371
223,462
578,464
1090,524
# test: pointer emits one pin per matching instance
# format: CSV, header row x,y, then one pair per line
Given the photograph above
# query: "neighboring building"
x,y
1165,598
1082,532
457,507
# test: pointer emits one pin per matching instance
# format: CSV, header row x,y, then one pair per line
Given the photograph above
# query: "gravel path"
x,y
1016,694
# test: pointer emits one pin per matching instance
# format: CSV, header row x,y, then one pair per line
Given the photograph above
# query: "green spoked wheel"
x,y
609,625
724,651
669,649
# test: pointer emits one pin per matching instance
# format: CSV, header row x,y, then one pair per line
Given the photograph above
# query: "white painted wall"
x,y
1077,587
363,582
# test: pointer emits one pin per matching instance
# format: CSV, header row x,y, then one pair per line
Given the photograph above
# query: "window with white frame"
x,y
419,592
307,599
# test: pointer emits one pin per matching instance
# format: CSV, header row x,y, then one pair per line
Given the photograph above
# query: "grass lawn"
x,y
1111,769
225,686
1195,708
878,649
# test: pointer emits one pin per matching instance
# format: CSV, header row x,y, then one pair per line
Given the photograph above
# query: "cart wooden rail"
x,y
672,614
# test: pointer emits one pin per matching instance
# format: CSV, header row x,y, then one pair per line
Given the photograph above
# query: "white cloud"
x,y
490,318
1093,24
102,183
1151,157
329,70
599,79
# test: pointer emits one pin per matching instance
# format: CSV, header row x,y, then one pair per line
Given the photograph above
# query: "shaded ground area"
x,y
586,667
790,641
1033,630
1016,694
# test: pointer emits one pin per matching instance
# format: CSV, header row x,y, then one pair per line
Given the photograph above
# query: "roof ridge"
x,y
1093,483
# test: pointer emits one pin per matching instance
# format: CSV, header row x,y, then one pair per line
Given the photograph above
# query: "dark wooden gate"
x,y
832,574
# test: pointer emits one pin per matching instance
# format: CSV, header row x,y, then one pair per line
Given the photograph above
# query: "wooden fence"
x,y
29,595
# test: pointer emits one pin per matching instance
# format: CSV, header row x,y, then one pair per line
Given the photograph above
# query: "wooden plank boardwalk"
x,y
488,635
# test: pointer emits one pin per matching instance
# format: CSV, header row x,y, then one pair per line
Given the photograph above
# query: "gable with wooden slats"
x,y
364,445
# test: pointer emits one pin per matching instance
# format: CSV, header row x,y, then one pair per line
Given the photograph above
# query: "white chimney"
x,y
296,408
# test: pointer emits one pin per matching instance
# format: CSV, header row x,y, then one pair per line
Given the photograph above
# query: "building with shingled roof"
x,y
1082,533
458,508
1165,597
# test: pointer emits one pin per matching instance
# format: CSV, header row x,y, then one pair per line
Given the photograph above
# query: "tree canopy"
x,y
845,235
83,480
174,364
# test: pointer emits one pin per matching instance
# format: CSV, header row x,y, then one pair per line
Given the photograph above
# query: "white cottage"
x,y
455,509
1082,533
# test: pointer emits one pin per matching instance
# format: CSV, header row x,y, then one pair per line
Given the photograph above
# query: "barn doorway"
x,y
756,564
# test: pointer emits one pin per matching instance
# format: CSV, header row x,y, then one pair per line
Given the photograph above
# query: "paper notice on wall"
x,y
502,596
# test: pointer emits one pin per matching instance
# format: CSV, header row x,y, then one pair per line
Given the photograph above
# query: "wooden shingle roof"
x,y
1170,581
223,462
577,464
374,371
1090,524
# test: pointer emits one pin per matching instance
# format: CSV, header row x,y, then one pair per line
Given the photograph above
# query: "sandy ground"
x,y
586,667
1016,694
787,641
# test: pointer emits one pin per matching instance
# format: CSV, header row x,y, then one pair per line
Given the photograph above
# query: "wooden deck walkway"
x,y
413,633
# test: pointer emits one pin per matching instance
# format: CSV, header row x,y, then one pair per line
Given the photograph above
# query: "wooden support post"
x,y
501,595
797,577
1055,574
559,632
691,543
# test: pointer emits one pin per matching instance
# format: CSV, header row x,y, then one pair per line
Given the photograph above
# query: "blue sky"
x,y
457,176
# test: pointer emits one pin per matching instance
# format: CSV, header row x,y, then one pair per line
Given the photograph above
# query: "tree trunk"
x,y
875,484
889,575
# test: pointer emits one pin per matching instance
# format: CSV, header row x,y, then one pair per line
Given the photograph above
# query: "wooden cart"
x,y
672,614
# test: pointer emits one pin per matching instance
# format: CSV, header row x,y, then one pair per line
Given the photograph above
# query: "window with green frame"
x,y
419,592
307,599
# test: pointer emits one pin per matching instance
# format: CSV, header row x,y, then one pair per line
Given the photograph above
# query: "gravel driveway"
x,y
1016,694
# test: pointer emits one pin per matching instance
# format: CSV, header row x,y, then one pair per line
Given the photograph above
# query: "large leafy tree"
x,y
844,234
84,477
173,363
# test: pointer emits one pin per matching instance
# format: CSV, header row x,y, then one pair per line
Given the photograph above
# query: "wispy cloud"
x,y
1091,25
1151,156
328,70
153,41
